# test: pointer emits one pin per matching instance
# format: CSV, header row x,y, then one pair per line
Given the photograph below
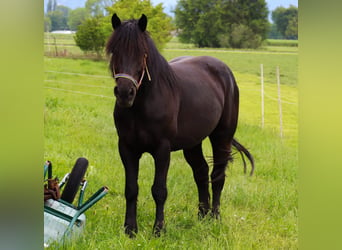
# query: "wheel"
x,y
73,183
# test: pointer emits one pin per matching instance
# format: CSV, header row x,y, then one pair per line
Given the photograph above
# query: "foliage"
x,y
274,33
159,24
76,17
47,24
197,22
59,18
51,6
97,7
58,21
237,24
90,36
243,37
286,21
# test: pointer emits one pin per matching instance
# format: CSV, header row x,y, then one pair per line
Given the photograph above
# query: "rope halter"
x,y
131,78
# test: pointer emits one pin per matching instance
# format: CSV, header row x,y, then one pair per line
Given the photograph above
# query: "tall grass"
x,y
257,213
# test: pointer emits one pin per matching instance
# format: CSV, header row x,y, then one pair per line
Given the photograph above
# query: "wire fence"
x,y
279,99
273,103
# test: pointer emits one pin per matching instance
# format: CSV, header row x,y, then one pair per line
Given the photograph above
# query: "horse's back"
x,y
203,76
203,66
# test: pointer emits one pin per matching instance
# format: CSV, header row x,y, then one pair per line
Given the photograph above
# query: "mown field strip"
x,y
236,51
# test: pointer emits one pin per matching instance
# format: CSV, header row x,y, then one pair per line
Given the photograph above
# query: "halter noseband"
x,y
131,78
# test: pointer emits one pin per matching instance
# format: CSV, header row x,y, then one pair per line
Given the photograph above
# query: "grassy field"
x,y
257,213
64,45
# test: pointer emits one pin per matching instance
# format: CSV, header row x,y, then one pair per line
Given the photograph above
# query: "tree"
x,y
90,36
198,23
286,21
242,36
222,23
51,6
97,7
274,33
58,21
292,28
59,18
93,33
247,21
76,17
159,24
47,24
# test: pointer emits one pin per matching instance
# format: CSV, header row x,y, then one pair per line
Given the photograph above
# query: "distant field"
x,y
257,213
283,43
66,42
244,61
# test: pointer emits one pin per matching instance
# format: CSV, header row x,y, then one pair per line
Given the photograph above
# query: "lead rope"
x,y
148,73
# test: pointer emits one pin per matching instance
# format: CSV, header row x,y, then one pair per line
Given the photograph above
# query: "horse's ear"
x,y
116,22
142,22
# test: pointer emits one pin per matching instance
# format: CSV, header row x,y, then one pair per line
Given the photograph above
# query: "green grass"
x,y
279,42
66,46
257,213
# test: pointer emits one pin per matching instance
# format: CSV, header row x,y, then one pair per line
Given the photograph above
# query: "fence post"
x,y
48,35
262,95
279,104
54,38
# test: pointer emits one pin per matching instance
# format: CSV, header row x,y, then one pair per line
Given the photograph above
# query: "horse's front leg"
x,y
130,160
159,191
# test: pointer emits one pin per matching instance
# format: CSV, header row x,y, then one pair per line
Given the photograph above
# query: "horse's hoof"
x,y
158,229
215,214
131,232
157,232
202,212
202,215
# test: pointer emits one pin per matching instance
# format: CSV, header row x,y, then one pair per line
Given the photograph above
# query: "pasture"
x,y
259,212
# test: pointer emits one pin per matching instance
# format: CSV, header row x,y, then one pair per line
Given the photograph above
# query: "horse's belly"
x,y
195,125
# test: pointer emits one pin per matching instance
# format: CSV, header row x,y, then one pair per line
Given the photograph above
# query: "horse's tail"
x,y
243,151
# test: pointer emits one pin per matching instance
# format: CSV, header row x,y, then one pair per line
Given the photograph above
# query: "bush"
x,y
223,40
90,36
159,24
243,37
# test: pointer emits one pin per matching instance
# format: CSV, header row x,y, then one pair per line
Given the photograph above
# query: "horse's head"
x,y
128,49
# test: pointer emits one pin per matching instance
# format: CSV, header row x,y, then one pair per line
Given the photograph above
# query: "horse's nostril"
x,y
131,92
116,91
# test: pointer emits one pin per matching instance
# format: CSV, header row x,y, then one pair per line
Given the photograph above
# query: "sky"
x,y
169,5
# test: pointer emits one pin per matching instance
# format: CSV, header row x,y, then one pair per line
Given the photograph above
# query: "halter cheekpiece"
x,y
131,78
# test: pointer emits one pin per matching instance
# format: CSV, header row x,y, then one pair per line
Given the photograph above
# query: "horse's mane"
x,y
130,40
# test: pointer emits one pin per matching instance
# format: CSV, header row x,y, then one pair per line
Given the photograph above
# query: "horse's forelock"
x,y
127,41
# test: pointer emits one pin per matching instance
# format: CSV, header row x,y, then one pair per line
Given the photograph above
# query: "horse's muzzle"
x,y
124,95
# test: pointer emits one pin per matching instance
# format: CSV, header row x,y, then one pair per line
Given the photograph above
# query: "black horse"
x,y
162,107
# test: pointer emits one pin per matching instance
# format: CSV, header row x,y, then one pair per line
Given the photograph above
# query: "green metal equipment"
x,y
63,220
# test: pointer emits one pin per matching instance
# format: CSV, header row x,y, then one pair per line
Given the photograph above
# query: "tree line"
x,y
206,23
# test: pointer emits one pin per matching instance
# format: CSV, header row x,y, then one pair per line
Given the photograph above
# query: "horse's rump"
x,y
204,83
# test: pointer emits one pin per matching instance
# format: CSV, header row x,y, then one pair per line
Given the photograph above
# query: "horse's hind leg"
x,y
221,154
195,158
